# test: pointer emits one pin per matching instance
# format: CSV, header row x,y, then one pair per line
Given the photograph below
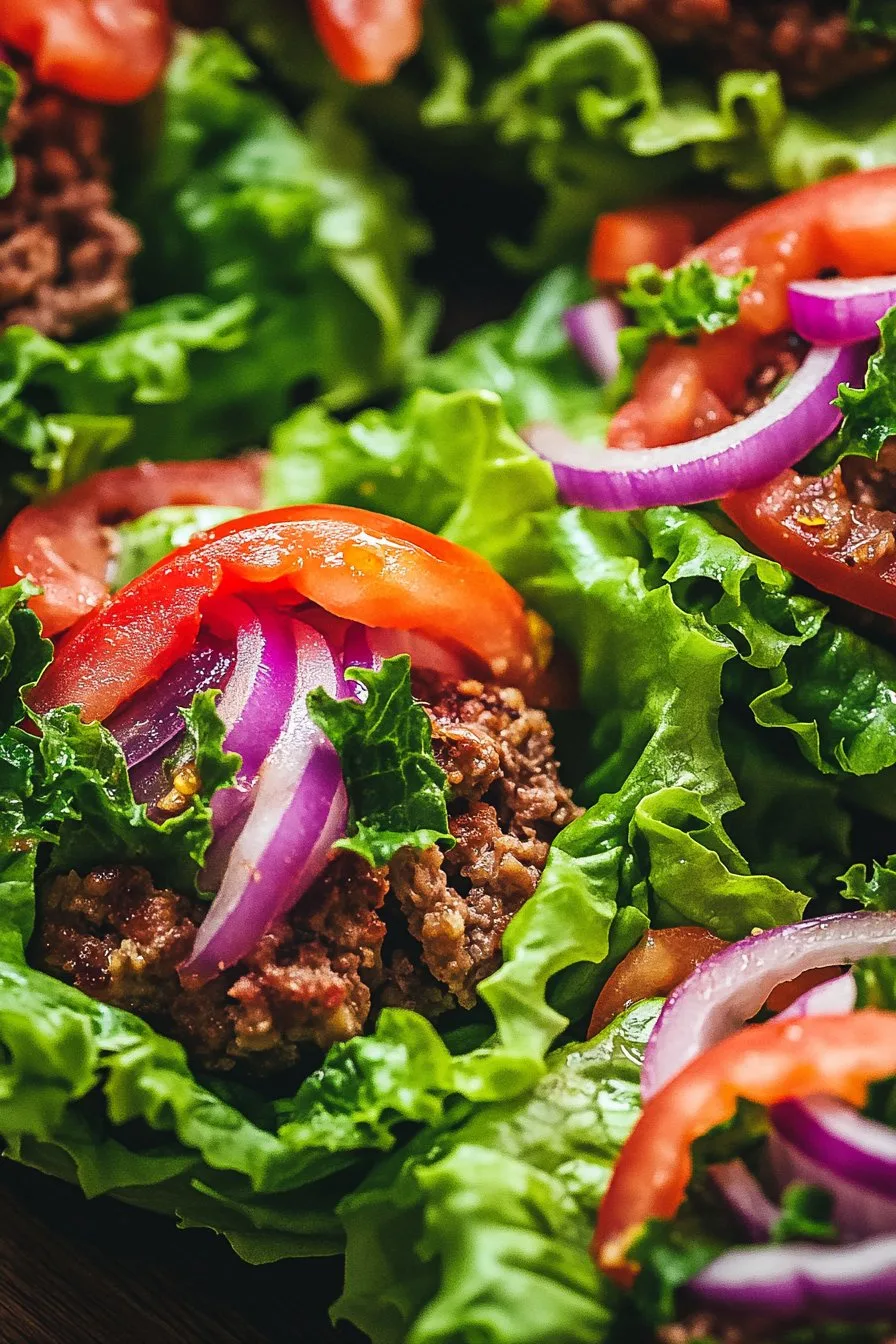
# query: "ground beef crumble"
x,y
809,42
420,934
64,253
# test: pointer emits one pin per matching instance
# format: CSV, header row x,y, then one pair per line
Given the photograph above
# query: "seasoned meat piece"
x,y
120,940
318,973
498,755
809,42
64,253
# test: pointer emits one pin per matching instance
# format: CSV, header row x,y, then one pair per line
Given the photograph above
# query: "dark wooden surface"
x,y
74,1271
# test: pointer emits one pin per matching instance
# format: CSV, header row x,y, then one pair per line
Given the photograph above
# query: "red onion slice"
x,y
841,1139
257,699
746,1198
728,989
299,810
859,1212
746,454
842,1282
841,312
594,329
151,720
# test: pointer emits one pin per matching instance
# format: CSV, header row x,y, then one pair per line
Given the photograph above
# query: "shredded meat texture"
x,y
420,934
779,357
809,42
64,253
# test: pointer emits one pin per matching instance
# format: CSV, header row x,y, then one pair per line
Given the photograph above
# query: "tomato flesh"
x,y
660,961
811,527
660,234
367,40
108,51
65,544
784,1058
352,563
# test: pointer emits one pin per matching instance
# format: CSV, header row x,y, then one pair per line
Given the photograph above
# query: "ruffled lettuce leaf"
x,y
480,1229
396,788
869,412
66,410
528,360
684,301
87,793
296,216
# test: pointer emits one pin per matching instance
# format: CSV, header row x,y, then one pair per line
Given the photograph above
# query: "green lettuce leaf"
x,y
528,360
685,300
874,887
88,793
869,412
8,87
397,790
875,979
480,1229
299,218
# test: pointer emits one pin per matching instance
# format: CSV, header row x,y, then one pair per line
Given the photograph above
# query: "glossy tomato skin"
x,y
352,563
776,1060
811,527
367,40
107,51
661,234
660,961
64,543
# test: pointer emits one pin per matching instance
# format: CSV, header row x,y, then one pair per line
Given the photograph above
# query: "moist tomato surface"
x,y
350,562
107,51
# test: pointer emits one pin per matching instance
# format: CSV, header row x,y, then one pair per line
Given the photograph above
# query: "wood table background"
x,y
74,1271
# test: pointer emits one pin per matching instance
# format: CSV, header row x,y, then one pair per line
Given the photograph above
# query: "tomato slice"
x,y
65,545
367,40
661,234
653,968
846,223
109,51
810,526
824,1056
355,564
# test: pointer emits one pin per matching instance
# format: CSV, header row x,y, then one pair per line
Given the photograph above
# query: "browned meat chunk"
x,y
421,934
64,253
809,42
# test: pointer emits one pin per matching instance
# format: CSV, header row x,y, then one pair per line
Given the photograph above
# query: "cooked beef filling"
x,y
809,42
421,933
64,253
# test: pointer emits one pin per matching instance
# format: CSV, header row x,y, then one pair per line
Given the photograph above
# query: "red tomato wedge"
x,y
659,962
661,234
367,40
109,51
812,1056
810,526
355,564
64,544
